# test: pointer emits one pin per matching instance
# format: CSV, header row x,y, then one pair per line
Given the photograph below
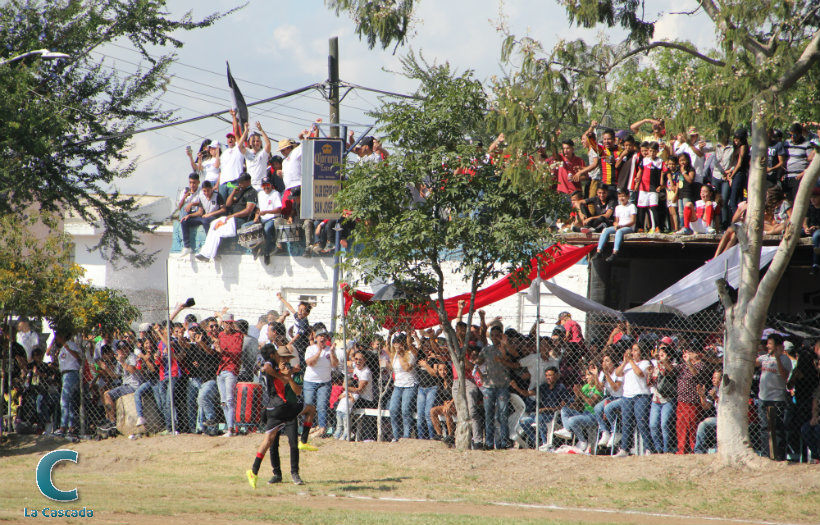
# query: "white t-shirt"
x,y
364,374
191,197
530,362
231,162
292,168
634,385
28,340
209,170
320,372
267,202
66,359
772,384
608,388
401,377
373,158
626,215
256,165
596,173
209,205
697,162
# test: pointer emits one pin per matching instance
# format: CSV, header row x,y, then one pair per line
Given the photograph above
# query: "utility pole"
x,y
333,80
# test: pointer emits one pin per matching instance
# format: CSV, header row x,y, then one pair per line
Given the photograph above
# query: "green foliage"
x,y
470,215
38,279
380,22
55,112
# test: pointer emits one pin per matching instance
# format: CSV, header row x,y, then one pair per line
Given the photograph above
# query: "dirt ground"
x,y
178,477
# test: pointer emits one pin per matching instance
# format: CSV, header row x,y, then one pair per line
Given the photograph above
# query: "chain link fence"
x,y
645,383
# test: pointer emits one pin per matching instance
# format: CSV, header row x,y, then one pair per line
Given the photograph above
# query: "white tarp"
x,y
579,301
697,290
690,295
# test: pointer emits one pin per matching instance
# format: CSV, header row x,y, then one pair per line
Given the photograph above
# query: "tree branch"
x,y
723,295
723,23
807,59
769,282
671,45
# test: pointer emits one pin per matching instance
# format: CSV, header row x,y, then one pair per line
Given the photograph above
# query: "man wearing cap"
x,y
231,161
256,159
284,386
370,150
240,206
270,208
229,348
696,149
210,207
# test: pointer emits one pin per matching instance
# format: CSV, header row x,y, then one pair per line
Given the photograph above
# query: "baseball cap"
x,y
622,134
227,318
230,135
245,176
215,144
667,340
266,180
321,331
145,327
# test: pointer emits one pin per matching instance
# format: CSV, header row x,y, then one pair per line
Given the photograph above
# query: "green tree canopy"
x,y
66,123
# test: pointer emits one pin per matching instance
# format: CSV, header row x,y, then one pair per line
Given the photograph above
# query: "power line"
x,y
193,119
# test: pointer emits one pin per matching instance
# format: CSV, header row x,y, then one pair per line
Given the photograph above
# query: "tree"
x,y
468,216
767,58
66,123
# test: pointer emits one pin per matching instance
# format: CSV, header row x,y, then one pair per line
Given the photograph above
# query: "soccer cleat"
x,y
252,478
307,447
277,478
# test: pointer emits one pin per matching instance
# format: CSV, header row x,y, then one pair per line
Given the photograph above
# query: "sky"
x,y
274,47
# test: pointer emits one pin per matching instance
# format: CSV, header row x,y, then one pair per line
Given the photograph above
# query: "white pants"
x,y
219,228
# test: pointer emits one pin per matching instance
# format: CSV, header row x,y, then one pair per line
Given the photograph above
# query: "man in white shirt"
x,y
696,149
256,160
231,162
291,163
189,196
773,398
68,356
28,339
269,203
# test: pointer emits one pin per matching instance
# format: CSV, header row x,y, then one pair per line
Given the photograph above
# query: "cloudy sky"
x,y
274,47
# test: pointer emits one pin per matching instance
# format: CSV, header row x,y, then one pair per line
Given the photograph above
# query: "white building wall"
x,y
248,289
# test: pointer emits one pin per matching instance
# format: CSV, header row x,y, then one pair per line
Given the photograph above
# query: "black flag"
x,y
237,103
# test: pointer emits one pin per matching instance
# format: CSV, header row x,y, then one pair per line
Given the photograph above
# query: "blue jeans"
x,y
269,229
148,385
581,424
736,192
202,400
619,237
69,398
815,242
425,401
636,411
226,383
607,413
496,401
318,395
190,226
780,428
401,410
662,427
544,420
165,389
722,188
706,436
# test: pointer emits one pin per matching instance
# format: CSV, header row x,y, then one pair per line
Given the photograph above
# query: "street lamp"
x,y
45,54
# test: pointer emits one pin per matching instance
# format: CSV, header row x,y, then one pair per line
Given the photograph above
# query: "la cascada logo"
x,y
47,488
44,481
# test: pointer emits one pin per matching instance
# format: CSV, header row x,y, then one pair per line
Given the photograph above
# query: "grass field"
x,y
195,479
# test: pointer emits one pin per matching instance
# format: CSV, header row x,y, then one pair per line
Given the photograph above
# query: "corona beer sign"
x,y
321,178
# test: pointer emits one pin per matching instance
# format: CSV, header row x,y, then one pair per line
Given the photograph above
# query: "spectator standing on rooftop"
x,y
567,173
738,174
799,153
696,148
776,162
811,227
719,165
658,134
608,154
256,159
231,161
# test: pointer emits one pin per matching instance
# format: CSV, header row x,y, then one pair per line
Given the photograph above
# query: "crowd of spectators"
x,y
638,392
249,187
681,184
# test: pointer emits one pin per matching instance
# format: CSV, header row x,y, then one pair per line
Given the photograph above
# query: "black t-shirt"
x,y
625,171
201,364
813,216
241,198
601,207
424,378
